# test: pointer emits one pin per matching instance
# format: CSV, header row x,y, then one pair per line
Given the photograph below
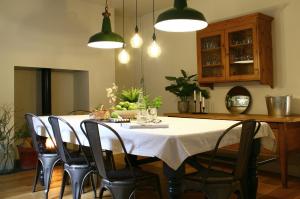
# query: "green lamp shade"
x,y
106,39
180,19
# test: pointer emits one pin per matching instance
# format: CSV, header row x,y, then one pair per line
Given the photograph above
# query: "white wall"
x,y
54,34
179,52
62,92
27,94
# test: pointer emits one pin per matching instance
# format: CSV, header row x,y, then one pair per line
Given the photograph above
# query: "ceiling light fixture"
x,y
123,56
106,39
180,18
154,49
136,41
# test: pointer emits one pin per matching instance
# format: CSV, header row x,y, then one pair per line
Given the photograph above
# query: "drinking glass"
x,y
152,112
142,116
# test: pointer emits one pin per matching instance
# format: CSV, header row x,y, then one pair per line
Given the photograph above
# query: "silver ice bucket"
x,y
279,106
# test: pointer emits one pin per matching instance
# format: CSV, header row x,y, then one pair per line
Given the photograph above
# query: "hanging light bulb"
x,y
136,41
154,49
124,56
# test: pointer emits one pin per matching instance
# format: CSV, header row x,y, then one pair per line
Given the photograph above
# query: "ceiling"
x,y
144,6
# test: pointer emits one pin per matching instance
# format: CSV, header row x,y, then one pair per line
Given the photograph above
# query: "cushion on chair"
x,y
215,176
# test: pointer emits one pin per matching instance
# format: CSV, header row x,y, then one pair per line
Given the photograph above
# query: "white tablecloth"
x,y
184,137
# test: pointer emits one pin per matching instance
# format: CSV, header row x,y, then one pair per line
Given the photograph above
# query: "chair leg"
x,y
47,179
158,187
243,189
219,193
77,178
102,189
37,174
241,193
111,159
121,192
93,185
76,189
48,165
63,184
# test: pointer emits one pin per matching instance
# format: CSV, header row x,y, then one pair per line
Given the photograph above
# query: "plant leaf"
x,y
190,77
183,73
170,78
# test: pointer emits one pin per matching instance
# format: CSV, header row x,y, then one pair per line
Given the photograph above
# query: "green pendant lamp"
x,y
180,19
106,38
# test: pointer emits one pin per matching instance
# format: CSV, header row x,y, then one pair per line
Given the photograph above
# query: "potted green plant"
x,y
27,154
127,106
184,87
7,155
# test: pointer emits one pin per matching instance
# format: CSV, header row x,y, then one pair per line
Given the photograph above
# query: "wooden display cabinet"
x,y
238,49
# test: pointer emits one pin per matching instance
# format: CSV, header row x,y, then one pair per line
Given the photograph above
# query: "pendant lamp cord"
x,y
153,7
124,23
136,13
106,6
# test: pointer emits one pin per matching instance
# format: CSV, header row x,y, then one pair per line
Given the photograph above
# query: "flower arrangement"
x,y
127,105
99,112
111,94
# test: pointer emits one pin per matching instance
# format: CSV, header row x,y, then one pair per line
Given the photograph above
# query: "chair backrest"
x,y
91,128
37,142
64,152
249,128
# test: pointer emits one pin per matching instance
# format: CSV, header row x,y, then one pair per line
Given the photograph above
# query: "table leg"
x,y
283,154
175,179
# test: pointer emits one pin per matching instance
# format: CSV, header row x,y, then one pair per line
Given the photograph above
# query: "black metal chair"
x,y
76,165
46,159
121,183
217,184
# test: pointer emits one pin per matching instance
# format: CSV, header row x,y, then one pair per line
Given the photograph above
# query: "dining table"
x,y
172,140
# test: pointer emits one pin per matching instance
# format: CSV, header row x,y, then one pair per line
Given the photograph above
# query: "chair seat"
x,y
78,159
48,155
125,174
215,176
228,158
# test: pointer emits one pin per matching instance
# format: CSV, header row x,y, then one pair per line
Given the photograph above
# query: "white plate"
x,y
244,62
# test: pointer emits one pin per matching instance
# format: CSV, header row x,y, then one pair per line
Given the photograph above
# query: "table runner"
x,y
184,137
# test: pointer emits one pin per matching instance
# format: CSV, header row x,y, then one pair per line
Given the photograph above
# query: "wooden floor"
x,y
18,186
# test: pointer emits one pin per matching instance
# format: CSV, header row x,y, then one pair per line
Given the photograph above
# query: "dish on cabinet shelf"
x,y
244,62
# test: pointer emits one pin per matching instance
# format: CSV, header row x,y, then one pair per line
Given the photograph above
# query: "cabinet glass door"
x,y
211,60
241,54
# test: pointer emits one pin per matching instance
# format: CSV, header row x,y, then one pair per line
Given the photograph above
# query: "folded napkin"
x,y
145,126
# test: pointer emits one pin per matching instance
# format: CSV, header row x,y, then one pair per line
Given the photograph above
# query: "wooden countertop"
x,y
239,117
